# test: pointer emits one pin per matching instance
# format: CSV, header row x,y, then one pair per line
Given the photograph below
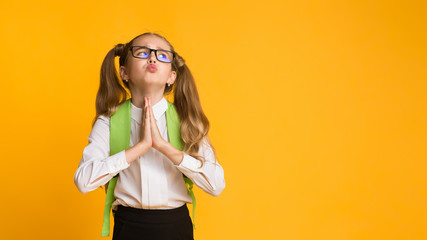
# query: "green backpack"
x,y
120,123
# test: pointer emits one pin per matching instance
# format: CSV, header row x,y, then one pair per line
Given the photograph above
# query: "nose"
x,y
152,57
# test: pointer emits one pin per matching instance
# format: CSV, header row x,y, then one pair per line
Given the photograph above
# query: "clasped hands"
x,y
150,134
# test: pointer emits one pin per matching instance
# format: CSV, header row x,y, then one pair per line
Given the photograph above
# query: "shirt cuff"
x,y
190,163
116,163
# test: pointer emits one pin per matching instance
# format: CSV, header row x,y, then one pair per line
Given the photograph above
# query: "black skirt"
x,y
152,224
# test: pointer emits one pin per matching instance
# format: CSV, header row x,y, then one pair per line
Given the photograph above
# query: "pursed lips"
x,y
152,68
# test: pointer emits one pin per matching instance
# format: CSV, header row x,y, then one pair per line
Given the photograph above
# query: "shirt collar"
x,y
158,110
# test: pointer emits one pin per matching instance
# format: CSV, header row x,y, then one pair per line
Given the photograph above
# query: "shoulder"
x,y
101,126
102,120
100,132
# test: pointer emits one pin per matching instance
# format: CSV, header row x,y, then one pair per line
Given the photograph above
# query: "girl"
x,y
150,165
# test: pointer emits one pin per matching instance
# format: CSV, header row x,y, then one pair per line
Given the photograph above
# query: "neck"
x,y
139,94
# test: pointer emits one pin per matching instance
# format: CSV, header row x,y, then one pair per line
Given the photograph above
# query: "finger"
x,y
144,116
147,116
143,121
152,119
149,107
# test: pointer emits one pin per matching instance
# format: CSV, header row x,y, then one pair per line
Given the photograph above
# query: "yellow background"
x,y
318,113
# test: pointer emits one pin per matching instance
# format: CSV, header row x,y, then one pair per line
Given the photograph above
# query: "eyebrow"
x,y
153,48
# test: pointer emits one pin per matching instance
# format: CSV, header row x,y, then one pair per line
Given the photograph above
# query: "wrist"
x,y
174,155
161,146
143,147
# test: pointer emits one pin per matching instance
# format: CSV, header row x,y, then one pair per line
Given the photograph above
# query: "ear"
x,y
171,78
123,74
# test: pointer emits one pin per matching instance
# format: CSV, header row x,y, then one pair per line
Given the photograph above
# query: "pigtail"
x,y
194,123
110,93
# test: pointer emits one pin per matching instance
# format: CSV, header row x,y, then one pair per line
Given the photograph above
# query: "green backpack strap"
x,y
119,141
174,135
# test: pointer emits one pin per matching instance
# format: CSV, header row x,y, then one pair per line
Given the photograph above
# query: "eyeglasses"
x,y
145,52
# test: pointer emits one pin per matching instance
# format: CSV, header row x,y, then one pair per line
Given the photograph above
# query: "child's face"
x,y
138,72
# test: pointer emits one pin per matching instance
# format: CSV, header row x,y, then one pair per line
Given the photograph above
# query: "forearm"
x,y
209,177
94,173
95,170
136,151
173,154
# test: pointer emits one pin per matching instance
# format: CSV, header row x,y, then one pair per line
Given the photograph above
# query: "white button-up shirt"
x,y
152,181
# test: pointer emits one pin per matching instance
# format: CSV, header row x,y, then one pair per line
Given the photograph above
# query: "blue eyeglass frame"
x,y
152,50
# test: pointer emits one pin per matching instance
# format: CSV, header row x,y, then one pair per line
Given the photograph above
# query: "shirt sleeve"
x,y
96,160
210,176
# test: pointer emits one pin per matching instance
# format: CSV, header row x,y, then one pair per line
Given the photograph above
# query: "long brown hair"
x,y
113,92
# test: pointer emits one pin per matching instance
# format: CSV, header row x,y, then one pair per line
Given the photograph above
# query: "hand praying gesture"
x,y
150,134
145,125
151,137
157,139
